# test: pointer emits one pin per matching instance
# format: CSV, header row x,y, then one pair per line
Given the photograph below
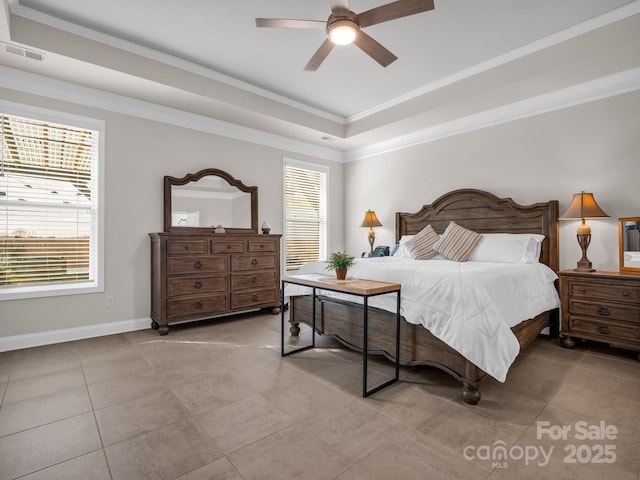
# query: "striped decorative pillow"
x,y
457,242
420,246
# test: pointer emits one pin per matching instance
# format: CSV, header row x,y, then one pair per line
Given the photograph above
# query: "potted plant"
x,y
340,262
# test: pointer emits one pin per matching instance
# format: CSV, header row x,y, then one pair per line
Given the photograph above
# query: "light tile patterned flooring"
x,y
214,400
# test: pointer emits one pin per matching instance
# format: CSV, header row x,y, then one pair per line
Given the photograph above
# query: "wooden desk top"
x,y
354,286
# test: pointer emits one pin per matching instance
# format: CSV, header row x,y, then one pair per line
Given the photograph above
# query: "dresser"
x,y
197,276
600,306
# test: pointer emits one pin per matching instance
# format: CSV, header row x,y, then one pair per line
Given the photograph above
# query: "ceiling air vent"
x,y
23,52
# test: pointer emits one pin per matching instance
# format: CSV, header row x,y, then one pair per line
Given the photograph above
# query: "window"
x,y
305,214
49,205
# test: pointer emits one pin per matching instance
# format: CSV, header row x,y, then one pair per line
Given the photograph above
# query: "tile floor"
x,y
214,400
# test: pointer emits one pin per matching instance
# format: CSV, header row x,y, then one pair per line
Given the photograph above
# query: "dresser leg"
x,y
163,330
154,324
568,342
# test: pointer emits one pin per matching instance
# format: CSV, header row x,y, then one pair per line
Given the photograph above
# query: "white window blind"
x,y
48,206
305,214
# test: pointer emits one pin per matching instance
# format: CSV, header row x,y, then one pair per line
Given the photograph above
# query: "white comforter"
x,y
470,306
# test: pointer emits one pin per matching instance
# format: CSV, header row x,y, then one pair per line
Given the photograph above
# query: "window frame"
x,y
324,246
96,284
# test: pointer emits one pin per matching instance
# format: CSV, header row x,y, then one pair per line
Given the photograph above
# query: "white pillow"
x,y
402,250
508,248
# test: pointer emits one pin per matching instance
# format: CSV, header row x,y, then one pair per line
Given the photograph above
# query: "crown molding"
x,y
616,84
598,22
611,85
16,8
34,84
549,41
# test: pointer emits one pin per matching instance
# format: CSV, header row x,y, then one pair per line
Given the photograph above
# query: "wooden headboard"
x,y
483,212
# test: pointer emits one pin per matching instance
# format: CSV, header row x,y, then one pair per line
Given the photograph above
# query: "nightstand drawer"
x,y
604,330
606,311
605,291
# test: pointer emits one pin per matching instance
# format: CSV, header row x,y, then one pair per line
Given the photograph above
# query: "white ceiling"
x,y
207,57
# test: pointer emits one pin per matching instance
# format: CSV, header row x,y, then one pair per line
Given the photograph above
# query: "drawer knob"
x,y
186,247
625,294
603,328
197,265
198,305
254,297
254,279
604,311
254,261
229,246
198,285
261,245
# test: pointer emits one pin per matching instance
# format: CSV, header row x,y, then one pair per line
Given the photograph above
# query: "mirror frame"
x,y
194,177
621,222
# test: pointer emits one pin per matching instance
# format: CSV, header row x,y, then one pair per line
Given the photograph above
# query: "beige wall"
x,y
138,154
593,147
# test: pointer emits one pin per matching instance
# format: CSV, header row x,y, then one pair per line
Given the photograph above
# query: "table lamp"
x,y
370,220
583,206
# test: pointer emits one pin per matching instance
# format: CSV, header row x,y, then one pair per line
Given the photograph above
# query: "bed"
x,y
476,210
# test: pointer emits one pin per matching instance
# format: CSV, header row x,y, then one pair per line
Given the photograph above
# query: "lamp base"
x,y
584,264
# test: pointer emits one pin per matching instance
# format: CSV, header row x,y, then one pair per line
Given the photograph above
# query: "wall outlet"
x,y
110,301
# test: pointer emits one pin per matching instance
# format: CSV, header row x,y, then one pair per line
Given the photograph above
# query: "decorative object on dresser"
x,y
583,206
476,210
198,274
370,221
266,228
600,306
629,244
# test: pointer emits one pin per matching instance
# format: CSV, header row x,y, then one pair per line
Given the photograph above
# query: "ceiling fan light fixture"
x,y
343,32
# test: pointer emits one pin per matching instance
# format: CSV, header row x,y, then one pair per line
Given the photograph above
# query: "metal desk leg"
x,y
313,328
365,348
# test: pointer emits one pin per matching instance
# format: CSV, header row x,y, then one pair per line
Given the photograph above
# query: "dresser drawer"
x,y
604,330
186,247
253,280
196,306
259,246
196,285
606,311
253,262
605,291
238,246
200,264
255,297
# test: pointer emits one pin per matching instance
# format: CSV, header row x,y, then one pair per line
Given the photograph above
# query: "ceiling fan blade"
x,y
393,10
319,56
290,23
374,49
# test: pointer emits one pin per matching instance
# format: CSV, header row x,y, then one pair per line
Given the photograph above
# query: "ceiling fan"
x,y
344,27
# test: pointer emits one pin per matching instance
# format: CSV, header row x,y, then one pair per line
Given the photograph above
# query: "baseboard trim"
x,y
39,339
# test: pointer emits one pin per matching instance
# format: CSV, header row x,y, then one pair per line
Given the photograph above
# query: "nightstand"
x,y
600,306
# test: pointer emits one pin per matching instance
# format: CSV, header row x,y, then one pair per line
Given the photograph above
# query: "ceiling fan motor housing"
x,y
343,21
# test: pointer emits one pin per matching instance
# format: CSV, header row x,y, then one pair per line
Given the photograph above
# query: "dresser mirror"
x,y
202,201
629,244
